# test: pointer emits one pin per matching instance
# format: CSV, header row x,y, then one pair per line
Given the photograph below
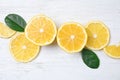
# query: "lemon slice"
x,y
41,30
22,49
113,51
98,35
5,31
71,37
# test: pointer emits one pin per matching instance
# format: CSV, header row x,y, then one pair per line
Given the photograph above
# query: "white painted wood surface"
x,y
52,62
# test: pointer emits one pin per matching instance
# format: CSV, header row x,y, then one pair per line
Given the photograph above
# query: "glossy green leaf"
x,y
90,58
15,22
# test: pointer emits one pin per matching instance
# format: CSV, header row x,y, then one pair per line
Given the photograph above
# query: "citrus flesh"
x,y
41,30
98,35
5,31
22,49
113,51
71,37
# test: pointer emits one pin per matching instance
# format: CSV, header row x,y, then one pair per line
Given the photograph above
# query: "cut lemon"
x,y
41,30
22,49
113,51
98,35
5,31
72,37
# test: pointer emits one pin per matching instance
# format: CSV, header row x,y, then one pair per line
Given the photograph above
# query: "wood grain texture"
x,y
52,62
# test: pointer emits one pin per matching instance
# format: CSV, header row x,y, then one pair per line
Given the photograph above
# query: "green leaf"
x,y
15,22
90,58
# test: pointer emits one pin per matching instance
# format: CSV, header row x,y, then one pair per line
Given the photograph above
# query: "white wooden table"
x,y
52,62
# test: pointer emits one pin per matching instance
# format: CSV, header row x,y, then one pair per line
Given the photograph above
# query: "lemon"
x,y
5,31
72,37
98,35
22,49
113,50
41,30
